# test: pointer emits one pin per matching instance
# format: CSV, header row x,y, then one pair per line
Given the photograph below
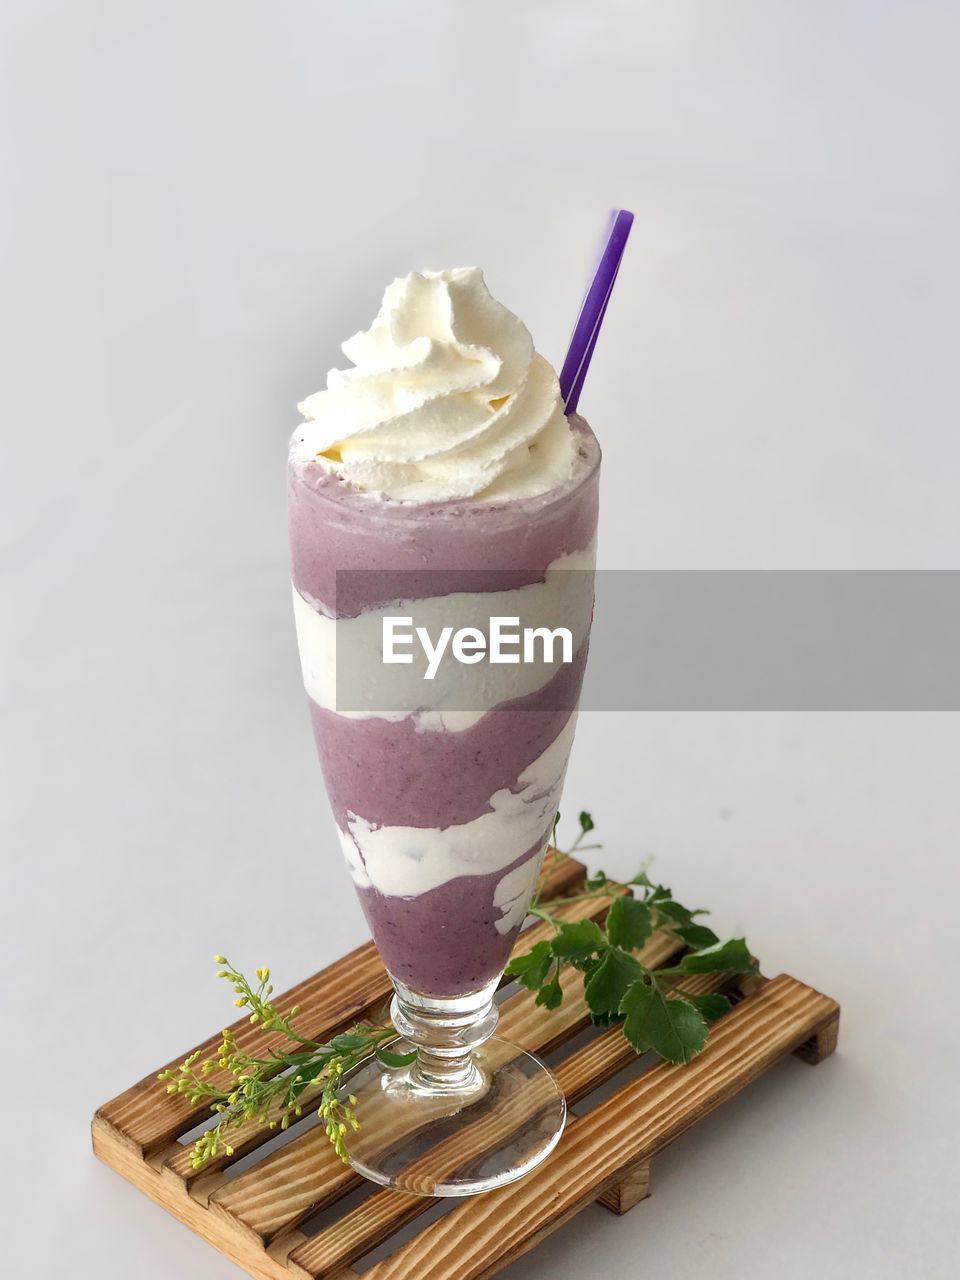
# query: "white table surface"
x,y
203,199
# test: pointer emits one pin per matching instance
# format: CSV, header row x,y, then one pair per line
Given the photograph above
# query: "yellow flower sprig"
x,y
269,1089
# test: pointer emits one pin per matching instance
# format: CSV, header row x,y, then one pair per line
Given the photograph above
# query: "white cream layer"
x,y
460,694
406,861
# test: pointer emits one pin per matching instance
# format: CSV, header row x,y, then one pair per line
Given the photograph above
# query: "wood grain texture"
x,y
822,1044
606,1155
629,1190
481,1236
362,1229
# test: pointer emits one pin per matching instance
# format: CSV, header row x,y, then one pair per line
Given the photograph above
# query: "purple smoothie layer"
x,y
393,774
334,527
445,942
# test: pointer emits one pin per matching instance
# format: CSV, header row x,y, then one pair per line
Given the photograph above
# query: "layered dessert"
x,y
439,477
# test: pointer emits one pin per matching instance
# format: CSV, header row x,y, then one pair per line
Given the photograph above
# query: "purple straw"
x,y
593,309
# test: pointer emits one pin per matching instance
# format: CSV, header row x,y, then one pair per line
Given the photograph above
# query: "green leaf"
x,y
629,923
605,1019
696,935
731,956
551,995
597,880
579,940
531,970
675,911
347,1041
306,1075
712,1005
609,981
396,1059
586,822
672,1027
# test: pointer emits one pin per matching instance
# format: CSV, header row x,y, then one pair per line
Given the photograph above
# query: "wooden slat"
x,y
294,1181
330,1252
352,988
383,1213
481,1236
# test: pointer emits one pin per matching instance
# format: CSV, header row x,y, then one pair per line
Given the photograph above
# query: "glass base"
x,y
418,1134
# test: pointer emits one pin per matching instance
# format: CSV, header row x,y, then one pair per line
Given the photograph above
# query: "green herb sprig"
x,y
617,986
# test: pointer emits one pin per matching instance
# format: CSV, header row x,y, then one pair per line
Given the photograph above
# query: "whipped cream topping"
x,y
447,400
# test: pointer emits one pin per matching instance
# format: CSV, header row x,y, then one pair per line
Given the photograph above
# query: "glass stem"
x,y
445,1030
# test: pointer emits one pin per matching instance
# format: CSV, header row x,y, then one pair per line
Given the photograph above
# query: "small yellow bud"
x,y
219,959
240,1002
228,1150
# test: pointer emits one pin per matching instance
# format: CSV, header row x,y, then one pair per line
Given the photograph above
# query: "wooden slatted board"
x,y
261,1218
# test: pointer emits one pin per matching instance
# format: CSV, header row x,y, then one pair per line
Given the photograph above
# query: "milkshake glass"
x,y
445,792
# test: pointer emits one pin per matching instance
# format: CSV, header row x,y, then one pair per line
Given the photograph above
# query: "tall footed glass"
x,y
444,791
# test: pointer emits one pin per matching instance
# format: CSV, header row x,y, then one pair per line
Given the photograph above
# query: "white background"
x,y
202,199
